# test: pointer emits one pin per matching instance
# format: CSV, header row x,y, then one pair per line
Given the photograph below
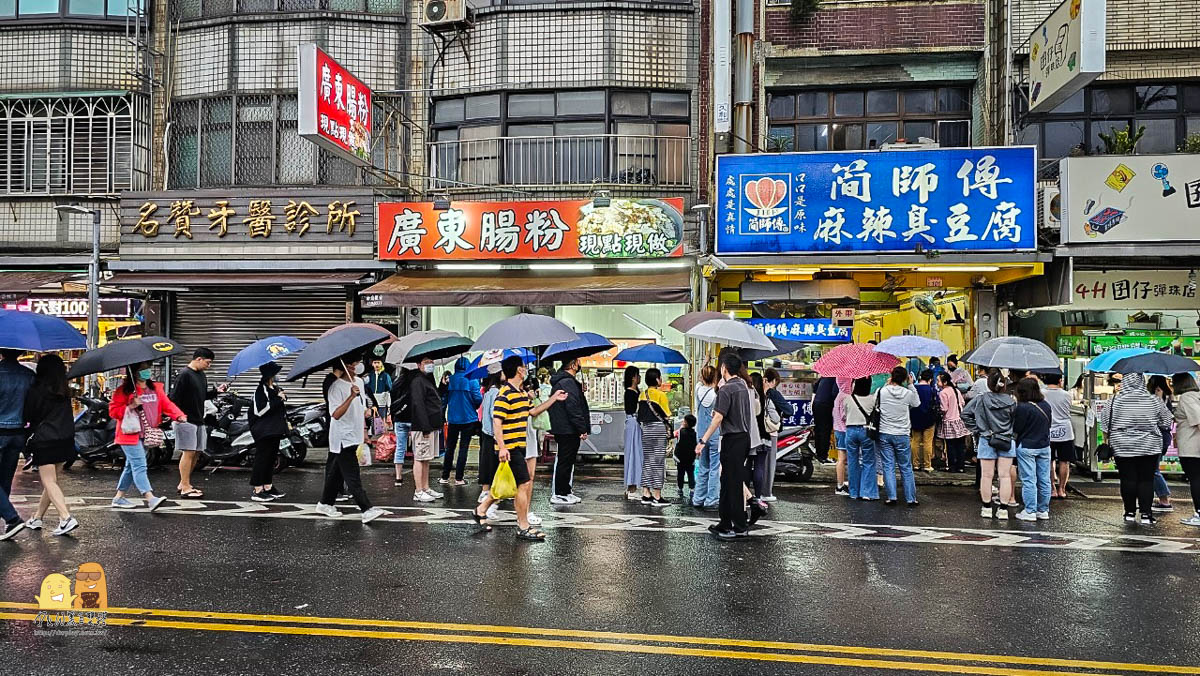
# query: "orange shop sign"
x,y
626,228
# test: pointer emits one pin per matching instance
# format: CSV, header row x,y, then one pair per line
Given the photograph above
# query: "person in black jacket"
x,y
401,410
428,417
48,413
268,426
570,423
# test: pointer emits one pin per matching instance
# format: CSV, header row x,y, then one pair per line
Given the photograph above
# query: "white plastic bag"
x,y
364,455
131,423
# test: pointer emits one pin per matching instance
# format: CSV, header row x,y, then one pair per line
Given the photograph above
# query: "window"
x,y
196,9
1168,111
865,119
80,9
568,137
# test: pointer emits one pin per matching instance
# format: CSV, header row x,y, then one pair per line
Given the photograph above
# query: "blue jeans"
x,y
897,452
707,492
1034,466
402,432
860,463
11,446
135,469
1161,489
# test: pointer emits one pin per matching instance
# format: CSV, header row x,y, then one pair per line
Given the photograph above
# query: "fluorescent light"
x,y
561,266
468,266
958,268
653,265
774,272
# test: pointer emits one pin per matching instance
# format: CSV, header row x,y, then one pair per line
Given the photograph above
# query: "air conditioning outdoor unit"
x,y
442,13
1051,208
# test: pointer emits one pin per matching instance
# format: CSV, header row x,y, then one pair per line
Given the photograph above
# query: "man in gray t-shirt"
x,y
1062,433
732,414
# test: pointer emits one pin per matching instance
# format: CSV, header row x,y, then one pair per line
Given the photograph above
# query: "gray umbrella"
x,y
524,330
1013,352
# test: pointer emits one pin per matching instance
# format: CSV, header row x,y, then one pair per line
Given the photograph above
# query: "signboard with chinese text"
x,y
528,230
1066,52
951,199
1130,198
1133,290
843,316
334,106
807,330
239,224
606,359
69,307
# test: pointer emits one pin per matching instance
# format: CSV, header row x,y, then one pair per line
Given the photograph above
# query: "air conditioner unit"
x,y
1051,203
443,13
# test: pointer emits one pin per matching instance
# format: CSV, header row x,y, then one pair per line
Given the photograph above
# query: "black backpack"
x,y
402,400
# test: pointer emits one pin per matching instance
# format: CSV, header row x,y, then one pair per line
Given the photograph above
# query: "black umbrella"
x,y
437,348
330,348
122,353
781,347
1156,363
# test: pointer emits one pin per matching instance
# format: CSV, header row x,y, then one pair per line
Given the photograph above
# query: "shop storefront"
x,y
119,316
613,267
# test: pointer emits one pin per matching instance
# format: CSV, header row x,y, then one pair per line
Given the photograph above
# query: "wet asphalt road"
x,y
352,593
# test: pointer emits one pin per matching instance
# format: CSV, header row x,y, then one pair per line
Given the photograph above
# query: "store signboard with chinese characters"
x,y
626,228
951,199
334,106
1134,290
72,307
242,224
820,330
1066,52
1113,199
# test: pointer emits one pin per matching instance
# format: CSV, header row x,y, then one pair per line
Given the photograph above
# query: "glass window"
x,y
848,104
882,102
531,130
919,102
86,7
1106,127
1071,105
630,103
669,104
28,7
1193,126
448,110
479,158
216,148
1159,137
531,105
8,7
295,157
812,137
954,133
914,131
879,133
954,99
581,103
1156,97
812,104
781,139
1191,98
125,7
782,107
1112,101
1030,135
847,137
578,128
486,106
1061,137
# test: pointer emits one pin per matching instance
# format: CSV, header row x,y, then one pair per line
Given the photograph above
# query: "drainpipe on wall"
x,y
743,80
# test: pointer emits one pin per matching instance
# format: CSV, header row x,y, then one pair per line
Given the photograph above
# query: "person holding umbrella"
x,y
570,424
15,381
51,424
347,431
990,416
427,421
268,426
733,416
1132,425
139,404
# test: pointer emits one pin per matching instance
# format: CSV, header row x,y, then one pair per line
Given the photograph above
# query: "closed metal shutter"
x,y
227,319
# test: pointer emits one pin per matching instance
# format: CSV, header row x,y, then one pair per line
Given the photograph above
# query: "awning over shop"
x,y
528,287
187,280
24,281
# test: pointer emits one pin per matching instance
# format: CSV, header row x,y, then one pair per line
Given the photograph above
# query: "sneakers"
x,y
646,499
987,512
1148,520
122,503
493,512
444,481
1002,512
534,519
276,493
327,510
67,526
560,500
770,498
1043,516
575,499
12,529
659,502
632,496
422,496
483,495
1026,516
1160,507
262,496
434,494
844,489
156,503
34,524
372,514
1130,517
1193,521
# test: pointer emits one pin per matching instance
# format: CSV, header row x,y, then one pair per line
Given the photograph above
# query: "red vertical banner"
x,y
335,106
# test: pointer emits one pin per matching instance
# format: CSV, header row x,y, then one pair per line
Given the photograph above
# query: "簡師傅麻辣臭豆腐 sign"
x,y
626,228
951,199
334,106
810,330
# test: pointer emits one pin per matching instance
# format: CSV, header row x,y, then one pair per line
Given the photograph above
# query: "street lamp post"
x,y
93,319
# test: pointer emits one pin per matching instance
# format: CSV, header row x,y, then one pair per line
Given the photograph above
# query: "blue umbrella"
x,y
652,354
1105,361
586,345
33,332
477,369
263,351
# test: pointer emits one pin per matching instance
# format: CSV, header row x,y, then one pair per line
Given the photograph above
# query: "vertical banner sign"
x,y
1066,52
872,201
335,106
722,70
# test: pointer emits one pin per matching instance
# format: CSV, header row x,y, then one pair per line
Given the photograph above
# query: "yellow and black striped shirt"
x,y
512,407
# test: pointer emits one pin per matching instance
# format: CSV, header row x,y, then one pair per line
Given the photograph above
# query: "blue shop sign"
x,y
807,330
950,199
803,416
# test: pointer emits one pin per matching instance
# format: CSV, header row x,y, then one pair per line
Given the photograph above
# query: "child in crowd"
x,y
685,454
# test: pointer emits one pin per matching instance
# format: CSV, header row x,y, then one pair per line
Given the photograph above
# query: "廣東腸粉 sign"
x,y
334,106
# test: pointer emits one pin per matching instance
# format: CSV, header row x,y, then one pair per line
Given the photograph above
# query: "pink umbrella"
x,y
391,336
856,360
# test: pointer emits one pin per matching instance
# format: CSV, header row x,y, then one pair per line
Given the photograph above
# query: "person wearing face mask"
x,y
147,400
427,421
347,431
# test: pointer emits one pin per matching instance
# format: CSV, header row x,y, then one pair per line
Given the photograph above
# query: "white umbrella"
x,y
399,349
730,332
913,346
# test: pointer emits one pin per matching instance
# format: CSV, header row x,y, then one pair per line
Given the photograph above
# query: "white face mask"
x,y
428,368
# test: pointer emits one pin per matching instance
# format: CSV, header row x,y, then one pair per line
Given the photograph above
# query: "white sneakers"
x,y
571,499
1194,520
156,503
422,496
33,524
327,510
986,512
1043,516
436,495
1026,516
67,526
769,498
493,512
372,514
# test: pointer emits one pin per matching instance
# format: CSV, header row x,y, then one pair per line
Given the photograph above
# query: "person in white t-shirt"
x,y
347,431
1062,434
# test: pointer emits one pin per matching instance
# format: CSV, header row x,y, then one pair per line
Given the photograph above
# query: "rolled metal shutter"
x,y
227,319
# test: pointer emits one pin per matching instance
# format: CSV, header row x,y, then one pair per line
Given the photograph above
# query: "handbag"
x,y
1105,451
152,437
872,418
772,421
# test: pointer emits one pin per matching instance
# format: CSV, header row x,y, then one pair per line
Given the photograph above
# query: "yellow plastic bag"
x,y
504,484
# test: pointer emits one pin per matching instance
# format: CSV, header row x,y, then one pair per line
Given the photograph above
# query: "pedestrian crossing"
x,y
673,524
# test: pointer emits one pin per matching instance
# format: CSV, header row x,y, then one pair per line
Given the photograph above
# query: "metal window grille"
x,y
197,9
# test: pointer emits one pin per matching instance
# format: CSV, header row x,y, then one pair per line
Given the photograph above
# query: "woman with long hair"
x,y
654,414
146,401
860,447
1031,431
708,463
758,470
951,429
633,433
1187,436
1159,387
52,426
269,427
990,415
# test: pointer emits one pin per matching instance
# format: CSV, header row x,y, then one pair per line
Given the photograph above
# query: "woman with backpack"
x,y
1132,426
139,404
860,442
951,429
268,426
653,415
760,453
990,415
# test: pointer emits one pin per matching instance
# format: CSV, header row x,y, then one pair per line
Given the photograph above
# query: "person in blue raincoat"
x,y
463,397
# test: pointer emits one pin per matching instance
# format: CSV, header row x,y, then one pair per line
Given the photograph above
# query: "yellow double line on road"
x,y
573,639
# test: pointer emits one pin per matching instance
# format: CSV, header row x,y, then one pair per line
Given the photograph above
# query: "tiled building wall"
x,y
62,58
881,25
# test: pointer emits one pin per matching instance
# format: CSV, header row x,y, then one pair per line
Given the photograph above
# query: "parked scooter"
x,y
797,453
310,422
230,442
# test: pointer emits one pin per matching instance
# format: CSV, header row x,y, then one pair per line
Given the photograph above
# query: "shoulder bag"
x,y
872,418
152,436
772,421
1105,451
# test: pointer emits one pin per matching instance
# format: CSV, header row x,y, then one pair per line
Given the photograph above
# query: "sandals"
x,y
191,493
532,534
481,521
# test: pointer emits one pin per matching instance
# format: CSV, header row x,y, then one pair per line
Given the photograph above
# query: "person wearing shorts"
x,y
189,393
510,417
1062,435
428,418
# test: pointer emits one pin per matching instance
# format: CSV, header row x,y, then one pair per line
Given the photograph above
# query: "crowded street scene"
x,y
587,337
